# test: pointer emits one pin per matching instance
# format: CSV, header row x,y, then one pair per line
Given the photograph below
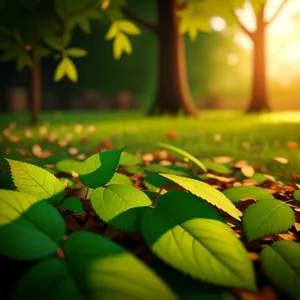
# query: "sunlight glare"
x,y
217,24
283,43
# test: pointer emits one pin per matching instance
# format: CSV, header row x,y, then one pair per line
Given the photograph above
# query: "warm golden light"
x,y
283,41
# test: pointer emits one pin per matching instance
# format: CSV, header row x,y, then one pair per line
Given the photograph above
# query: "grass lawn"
x,y
256,138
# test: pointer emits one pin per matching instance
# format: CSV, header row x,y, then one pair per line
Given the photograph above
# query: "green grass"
x,y
142,134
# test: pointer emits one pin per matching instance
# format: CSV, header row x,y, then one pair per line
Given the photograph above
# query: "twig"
x,y
159,192
282,5
247,31
86,193
129,14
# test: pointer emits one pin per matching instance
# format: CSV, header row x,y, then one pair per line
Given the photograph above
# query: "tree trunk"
x,y
259,97
36,90
173,92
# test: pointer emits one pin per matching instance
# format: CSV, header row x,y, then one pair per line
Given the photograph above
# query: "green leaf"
x,y
192,158
119,178
206,192
84,24
121,44
216,167
267,217
235,194
94,268
13,204
43,52
112,32
128,159
135,170
68,166
128,27
259,177
76,52
54,42
186,287
24,60
72,204
36,181
8,56
34,231
112,201
99,168
71,70
154,182
189,235
281,264
296,195
66,67
174,170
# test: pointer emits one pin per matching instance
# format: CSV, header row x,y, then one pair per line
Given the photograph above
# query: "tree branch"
x,y
247,31
282,5
129,14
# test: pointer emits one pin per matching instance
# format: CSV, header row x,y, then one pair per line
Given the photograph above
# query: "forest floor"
x,y
261,139
257,153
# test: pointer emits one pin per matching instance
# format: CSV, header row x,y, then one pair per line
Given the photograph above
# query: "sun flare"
x,y
283,42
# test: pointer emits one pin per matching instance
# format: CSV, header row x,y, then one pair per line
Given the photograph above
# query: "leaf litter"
x,y
88,220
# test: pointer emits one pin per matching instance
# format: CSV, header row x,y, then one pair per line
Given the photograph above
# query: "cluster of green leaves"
x,y
44,28
178,219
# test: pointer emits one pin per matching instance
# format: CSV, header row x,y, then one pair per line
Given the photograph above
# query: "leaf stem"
x,y
159,192
60,252
86,193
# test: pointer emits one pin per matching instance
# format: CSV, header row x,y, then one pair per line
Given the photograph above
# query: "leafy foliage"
x,y
99,168
37,229
99,268
281,263
266,217
43,185
206,192
237,193
181,220
187,229
113,201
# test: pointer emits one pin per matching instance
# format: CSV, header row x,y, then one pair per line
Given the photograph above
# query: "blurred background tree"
x,y
214,68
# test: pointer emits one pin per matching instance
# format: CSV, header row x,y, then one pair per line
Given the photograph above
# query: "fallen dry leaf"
x,y
247,171
240,164
222,159
62,143
6,132
13,139
69,136
249,182
12,125
28,133
281,160
246,145
171,135
81,156
78,128
43,130
297,226
91,129
291,145
221,178
148,157
73,151
218,137
287,236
